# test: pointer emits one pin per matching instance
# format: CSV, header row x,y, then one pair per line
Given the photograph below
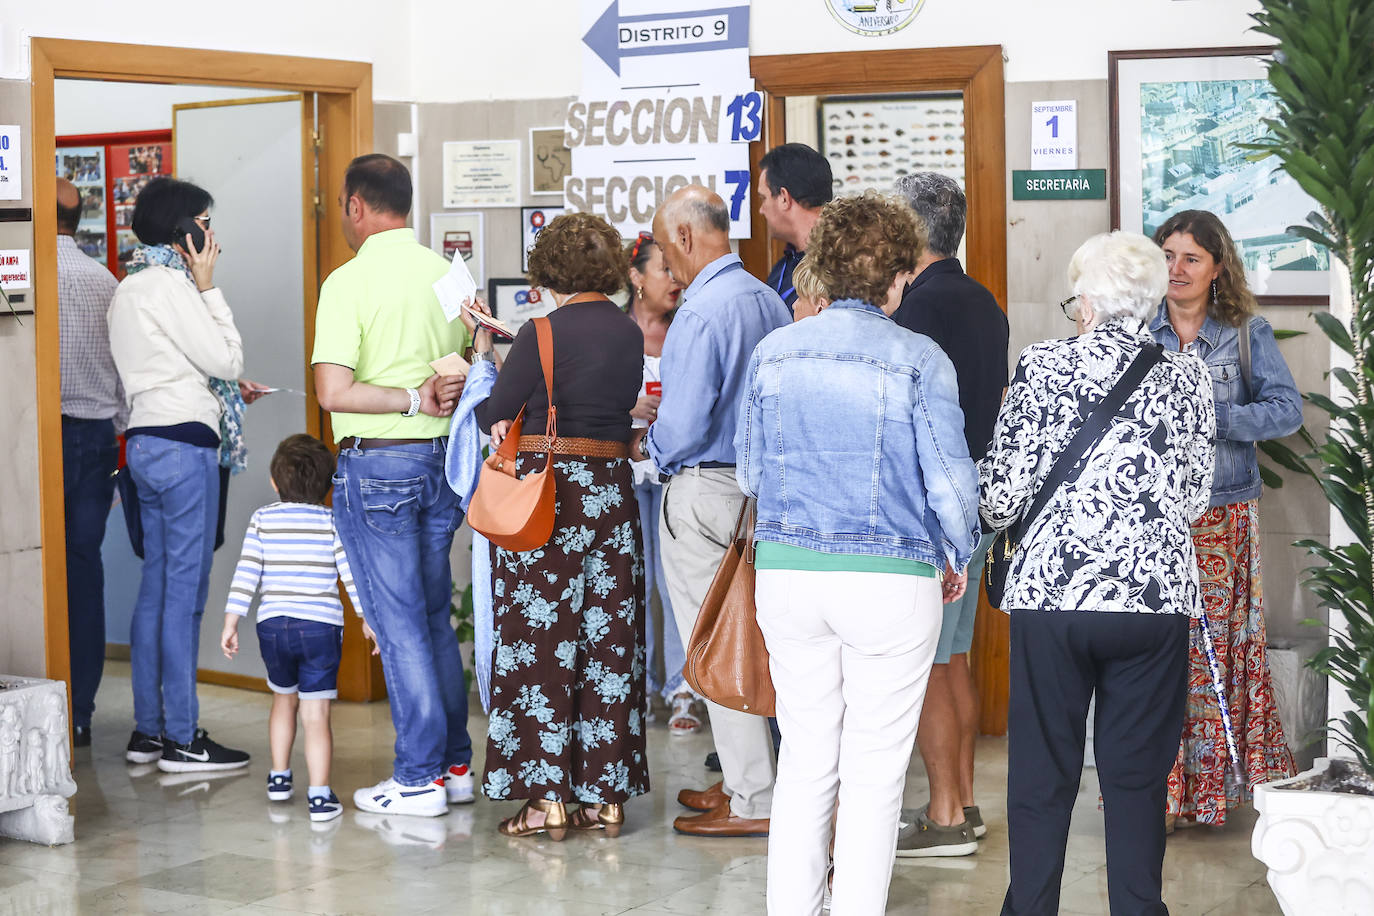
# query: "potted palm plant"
x,y
1316,830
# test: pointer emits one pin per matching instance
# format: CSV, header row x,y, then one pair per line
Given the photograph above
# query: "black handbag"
x,y
1003,549
133,515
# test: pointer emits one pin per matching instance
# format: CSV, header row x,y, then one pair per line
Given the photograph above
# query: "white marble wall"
x,y
21,590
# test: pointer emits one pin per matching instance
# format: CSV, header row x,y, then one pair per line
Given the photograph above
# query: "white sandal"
x,y
683,721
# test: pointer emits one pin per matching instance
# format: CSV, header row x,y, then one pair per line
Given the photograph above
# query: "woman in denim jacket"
x,y
1206,306
852,439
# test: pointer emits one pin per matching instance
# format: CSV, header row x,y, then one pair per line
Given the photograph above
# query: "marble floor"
x,y
150,842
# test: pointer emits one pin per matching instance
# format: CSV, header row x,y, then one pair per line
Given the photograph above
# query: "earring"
x,y
1214,292
639,292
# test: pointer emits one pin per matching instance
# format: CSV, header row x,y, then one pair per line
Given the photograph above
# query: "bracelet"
x,y
414,403
487,355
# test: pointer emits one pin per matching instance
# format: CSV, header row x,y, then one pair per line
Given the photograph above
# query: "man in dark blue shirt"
x,y
794,183
960,315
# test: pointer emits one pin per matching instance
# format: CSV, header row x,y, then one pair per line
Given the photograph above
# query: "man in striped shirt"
x,y
292,562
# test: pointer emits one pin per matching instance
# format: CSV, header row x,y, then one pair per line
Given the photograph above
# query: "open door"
x,y
256,157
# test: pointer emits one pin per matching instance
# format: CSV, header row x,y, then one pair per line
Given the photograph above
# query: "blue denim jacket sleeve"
x,y
950,476
748,469
692,384
1275,408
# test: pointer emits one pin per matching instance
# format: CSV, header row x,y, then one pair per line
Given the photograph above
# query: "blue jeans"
x,y
673,655
396,516
89,456
178,493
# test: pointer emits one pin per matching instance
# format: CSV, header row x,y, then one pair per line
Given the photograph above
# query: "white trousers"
x,y
850,654
700,507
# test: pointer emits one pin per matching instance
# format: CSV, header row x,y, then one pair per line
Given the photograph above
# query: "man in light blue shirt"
x,y
724,313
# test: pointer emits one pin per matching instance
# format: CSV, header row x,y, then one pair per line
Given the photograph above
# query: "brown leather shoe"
x,y
703,799
719,822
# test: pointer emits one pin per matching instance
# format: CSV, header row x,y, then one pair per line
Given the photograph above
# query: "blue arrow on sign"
x,y
604,36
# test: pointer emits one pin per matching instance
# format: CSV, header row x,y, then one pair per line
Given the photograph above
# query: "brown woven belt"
x,y
571,445
385,443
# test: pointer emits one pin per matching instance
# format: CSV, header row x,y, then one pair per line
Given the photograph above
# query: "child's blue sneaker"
x,y
325,807
279,787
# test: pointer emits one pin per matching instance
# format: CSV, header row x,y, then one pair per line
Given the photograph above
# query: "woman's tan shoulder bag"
x,y
727,661
517,513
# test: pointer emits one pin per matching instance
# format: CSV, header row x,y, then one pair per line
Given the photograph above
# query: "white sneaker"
x,y
390,797
458,785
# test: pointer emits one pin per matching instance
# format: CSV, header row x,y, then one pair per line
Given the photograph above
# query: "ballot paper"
x,y
455,288
452,364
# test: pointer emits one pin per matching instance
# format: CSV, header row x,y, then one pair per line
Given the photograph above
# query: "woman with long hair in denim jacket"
x,y
1203,312
851,438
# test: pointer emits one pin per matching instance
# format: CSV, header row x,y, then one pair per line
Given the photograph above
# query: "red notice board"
x,y
110,170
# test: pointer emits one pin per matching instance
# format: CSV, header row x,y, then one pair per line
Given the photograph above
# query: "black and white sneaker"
x,y
279,787
143,748
200,754
325,807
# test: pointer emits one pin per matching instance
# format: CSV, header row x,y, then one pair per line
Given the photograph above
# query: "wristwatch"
x,y
414,403
488,355
643,449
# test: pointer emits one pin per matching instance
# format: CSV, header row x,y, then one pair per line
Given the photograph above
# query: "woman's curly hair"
x,y
1234,303
578,253
860,244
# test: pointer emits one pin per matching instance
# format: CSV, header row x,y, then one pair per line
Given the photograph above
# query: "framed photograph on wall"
x,y
550,160
871,141
532,222
1180,122
514,301
455,234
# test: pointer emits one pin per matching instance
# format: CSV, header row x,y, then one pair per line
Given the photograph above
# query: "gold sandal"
x,y
555,820
609,818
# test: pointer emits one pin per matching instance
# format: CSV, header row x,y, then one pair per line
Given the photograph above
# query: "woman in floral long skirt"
x,y
1207,306
567,693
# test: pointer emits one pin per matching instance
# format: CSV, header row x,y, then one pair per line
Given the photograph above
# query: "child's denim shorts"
x,y
302,656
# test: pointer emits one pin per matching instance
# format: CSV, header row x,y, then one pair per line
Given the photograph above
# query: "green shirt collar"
x,y
387,239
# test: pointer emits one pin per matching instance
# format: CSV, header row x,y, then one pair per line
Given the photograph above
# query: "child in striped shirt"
x,y
293,560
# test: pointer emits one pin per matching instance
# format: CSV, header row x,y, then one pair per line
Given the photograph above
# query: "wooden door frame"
x,y
976,73
344,113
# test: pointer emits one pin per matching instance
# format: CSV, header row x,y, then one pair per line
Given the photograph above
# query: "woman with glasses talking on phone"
x,y
178,354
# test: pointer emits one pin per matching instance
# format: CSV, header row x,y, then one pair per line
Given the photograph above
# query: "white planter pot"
x,y
35,771
1319,846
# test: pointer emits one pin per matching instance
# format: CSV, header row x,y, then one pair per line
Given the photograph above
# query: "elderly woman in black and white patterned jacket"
x,y
1104,579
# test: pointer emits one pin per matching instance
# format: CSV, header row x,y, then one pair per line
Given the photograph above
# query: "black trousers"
x,y
1138,666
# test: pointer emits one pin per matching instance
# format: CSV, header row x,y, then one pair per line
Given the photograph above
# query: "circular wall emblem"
x,y
874,17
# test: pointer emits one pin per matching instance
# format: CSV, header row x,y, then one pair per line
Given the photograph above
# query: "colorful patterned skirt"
x,y
1227,542
567,687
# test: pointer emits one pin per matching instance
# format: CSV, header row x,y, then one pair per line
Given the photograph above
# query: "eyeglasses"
x,y
1070,308
203,220
639,243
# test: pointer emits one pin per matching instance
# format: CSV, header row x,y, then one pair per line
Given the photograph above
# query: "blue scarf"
x,y
233,452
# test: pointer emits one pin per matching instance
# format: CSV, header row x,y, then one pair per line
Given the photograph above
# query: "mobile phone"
x,y
185,226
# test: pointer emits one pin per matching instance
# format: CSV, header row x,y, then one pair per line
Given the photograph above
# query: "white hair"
x,y
1120,274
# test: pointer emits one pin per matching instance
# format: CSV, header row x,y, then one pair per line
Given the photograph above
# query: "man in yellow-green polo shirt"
x,y
378,326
